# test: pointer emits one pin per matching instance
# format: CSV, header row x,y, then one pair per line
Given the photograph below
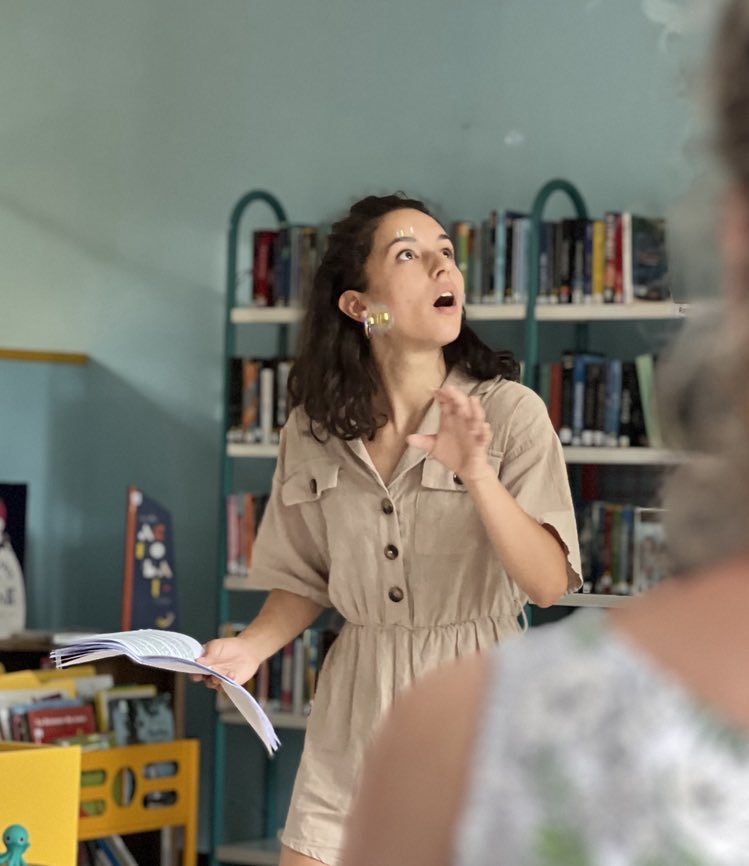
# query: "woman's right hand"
x,y
232,656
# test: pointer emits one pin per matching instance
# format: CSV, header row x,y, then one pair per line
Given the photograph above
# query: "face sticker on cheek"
x,y
378,319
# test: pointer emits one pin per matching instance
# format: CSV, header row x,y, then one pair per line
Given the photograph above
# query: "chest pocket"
x,y
446,518
310,481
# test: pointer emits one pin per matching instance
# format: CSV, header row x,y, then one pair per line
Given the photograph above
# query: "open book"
x,y
171,651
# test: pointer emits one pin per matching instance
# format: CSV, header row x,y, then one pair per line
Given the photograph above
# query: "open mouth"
x,y
446,299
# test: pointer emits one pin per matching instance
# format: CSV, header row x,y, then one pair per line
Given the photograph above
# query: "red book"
x,y
618,262
49,724
555,395
263,246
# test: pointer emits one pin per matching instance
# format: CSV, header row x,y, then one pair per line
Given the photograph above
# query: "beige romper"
x,y
408,565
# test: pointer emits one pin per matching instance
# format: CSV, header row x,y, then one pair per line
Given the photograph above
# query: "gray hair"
x,y
703,381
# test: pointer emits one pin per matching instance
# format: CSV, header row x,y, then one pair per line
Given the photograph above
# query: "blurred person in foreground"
x,y
631,746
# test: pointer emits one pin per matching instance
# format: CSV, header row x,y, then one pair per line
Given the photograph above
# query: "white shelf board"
x,y
495,312
248,449
265,315
639,310
259,852
615,456
621,456
237,583
591,599
280,721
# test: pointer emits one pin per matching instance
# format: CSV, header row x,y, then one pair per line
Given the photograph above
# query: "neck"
x,y
408,384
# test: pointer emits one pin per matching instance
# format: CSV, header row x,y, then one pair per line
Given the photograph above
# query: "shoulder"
x,y
504,398
299,446
515,413
426,743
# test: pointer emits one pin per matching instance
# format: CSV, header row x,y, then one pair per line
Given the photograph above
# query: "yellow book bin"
x,y
137,788
40,792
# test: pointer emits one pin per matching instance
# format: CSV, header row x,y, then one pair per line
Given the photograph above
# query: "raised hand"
x,y
463,434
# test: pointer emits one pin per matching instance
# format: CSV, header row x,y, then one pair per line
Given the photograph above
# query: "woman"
x,y
419,490
632,747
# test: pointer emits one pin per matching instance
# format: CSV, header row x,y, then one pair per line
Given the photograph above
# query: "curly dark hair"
x,y
335,377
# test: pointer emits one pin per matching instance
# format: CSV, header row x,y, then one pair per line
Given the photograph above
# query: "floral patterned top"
x,y
590,755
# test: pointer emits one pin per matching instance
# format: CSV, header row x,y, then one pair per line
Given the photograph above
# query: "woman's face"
x,y
411,269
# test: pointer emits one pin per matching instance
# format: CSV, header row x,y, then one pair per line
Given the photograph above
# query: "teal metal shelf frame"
x,y
227,476
530,340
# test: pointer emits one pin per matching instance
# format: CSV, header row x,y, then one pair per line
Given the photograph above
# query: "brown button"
x,y
456,478
391,551
313,486
395,594
387,506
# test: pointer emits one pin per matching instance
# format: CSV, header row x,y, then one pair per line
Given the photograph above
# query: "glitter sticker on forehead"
x,y
405,233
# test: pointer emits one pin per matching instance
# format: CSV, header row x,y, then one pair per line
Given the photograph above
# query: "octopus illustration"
x,y
16,841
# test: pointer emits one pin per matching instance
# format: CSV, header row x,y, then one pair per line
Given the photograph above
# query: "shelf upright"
x,y
239,210
531,322
530,331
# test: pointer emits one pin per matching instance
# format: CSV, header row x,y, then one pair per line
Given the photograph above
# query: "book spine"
x,y
567,398
263,242
613,402
267,413
599,261
299,676
250,399
566,259
283,368
618,261
627,288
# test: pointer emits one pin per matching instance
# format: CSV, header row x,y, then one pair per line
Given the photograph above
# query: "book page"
x,y
148,642
167,651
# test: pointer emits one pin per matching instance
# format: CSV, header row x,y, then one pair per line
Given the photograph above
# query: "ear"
x,y
353,304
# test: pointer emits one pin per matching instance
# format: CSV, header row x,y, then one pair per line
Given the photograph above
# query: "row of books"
x,y
51,706
258,399
107,851
284,262
619,258
598,401
286,682
243,514
623,548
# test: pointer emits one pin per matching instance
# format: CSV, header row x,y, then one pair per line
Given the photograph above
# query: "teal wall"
x,y
128,130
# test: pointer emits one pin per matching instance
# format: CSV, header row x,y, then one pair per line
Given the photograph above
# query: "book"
x,y
650,560
650,277
48,724
149,591
12,545
142,719
263,267
105,699
172,651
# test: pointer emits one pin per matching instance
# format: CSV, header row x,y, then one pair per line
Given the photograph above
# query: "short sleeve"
x,y
535,473
290,551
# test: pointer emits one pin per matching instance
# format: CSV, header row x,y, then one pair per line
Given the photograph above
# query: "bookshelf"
x,y
257,852
20,653
530,315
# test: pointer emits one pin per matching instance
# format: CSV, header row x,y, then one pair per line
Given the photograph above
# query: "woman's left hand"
x,y
463,434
